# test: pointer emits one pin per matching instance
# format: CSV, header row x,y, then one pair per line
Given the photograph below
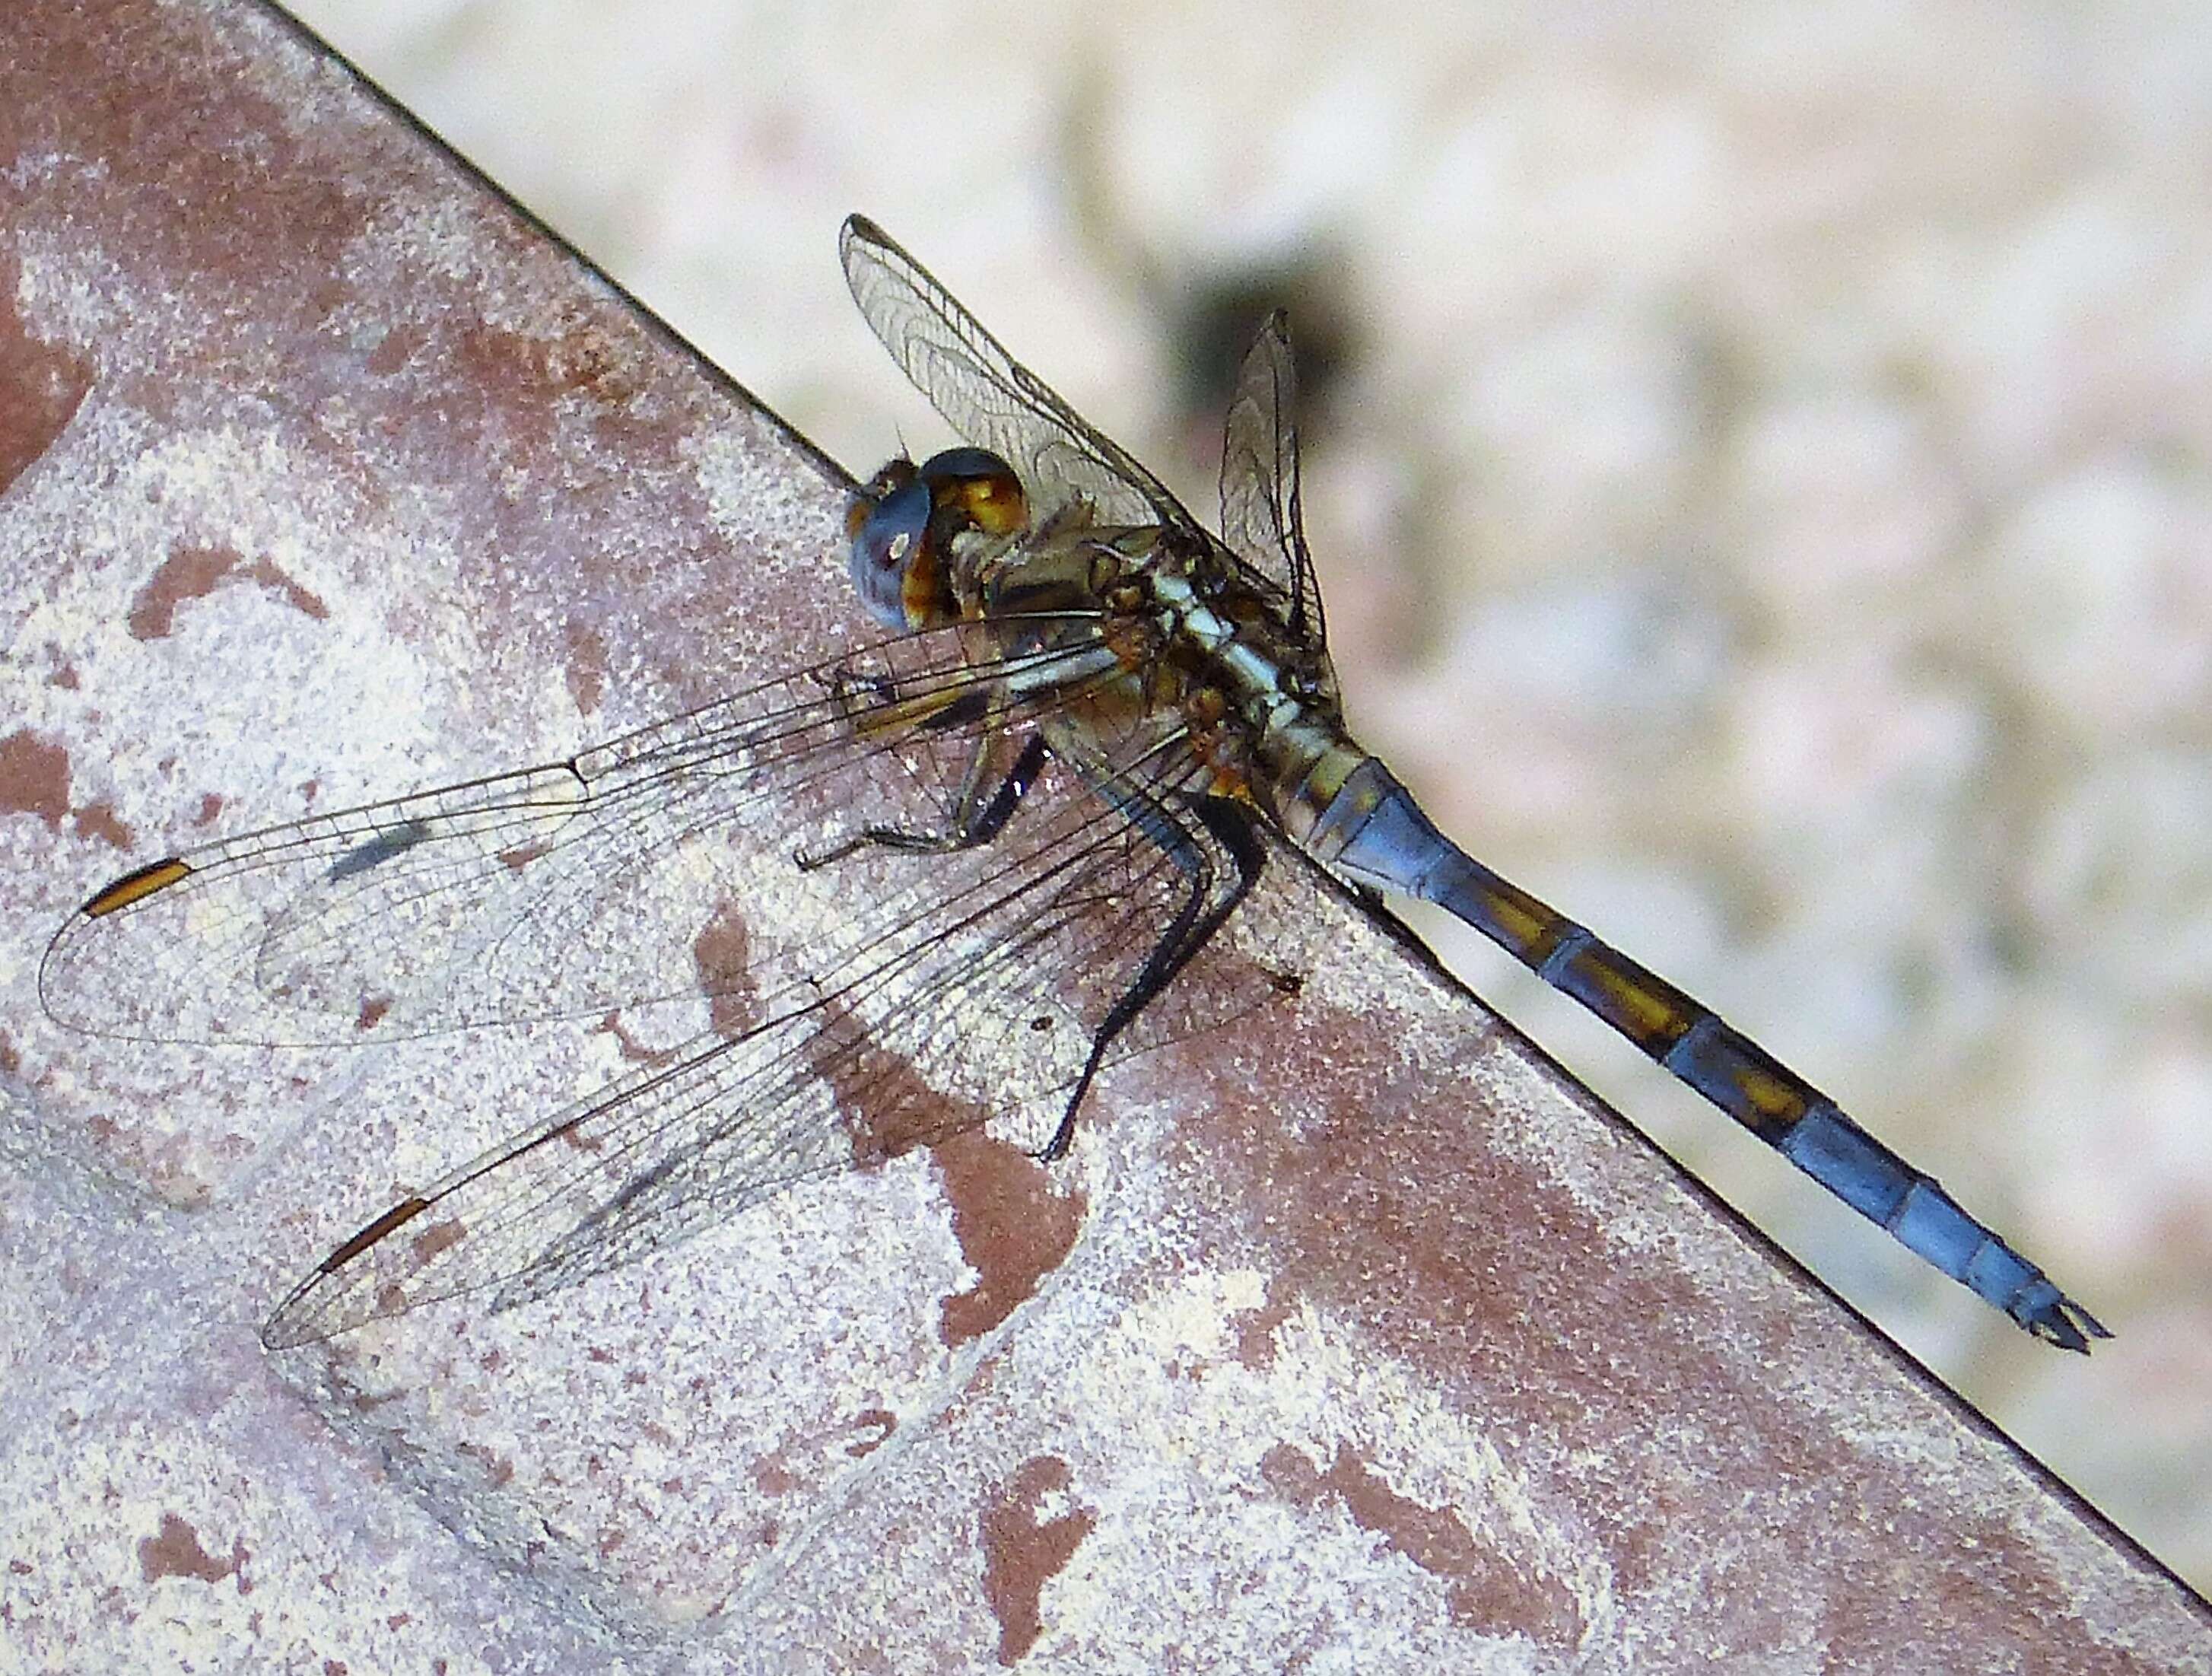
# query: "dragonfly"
x,y
945,878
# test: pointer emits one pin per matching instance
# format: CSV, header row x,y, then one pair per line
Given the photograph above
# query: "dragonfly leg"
x,y
1216,838
975,819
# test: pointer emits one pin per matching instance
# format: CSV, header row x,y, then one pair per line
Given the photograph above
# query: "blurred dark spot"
x,y
1213,321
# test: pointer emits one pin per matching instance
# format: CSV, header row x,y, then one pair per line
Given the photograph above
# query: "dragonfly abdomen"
x,y
1375,833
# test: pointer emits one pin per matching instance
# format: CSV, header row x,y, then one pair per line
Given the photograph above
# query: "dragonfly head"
x,y
902,522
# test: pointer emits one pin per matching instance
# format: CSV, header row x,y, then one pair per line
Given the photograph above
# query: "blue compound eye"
x,y
888,540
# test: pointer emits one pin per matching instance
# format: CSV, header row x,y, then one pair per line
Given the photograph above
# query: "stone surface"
x,y
1355,1337
1762,500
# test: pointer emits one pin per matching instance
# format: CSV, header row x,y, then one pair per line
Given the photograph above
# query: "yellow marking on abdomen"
x,y
1524,927
1647,1010
1772,1100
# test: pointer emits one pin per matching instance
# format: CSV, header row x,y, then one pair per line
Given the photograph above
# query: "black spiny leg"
x,y
975,819
1206,907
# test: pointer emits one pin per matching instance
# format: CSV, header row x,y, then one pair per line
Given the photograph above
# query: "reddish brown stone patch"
x,y
1021,1554
574,1135
722,955
176,1552
1256,1330
35,778
633,1052
188,573
100,821
41,387
520,855
772,1478
193,573
888,1108
1013,1229
577,358
436,1240
587,665
879,1423
396,349
143,98
773,1473
1488,1589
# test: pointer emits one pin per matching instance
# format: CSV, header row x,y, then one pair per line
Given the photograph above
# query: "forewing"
x,y
556,892
1261,517
990,398
979,1001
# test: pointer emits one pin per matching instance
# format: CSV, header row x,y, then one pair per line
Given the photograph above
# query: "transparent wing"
x,y
1262,519
983,1000
990,398
562,891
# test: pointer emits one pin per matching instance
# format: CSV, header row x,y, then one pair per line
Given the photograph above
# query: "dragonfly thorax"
x,y
1253,702
1256,703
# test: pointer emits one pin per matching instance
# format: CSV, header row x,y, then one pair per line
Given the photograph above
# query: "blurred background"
x,y
1760,460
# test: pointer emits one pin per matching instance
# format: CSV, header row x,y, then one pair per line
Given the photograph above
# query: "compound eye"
x,y
888,532
977,485
894,475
